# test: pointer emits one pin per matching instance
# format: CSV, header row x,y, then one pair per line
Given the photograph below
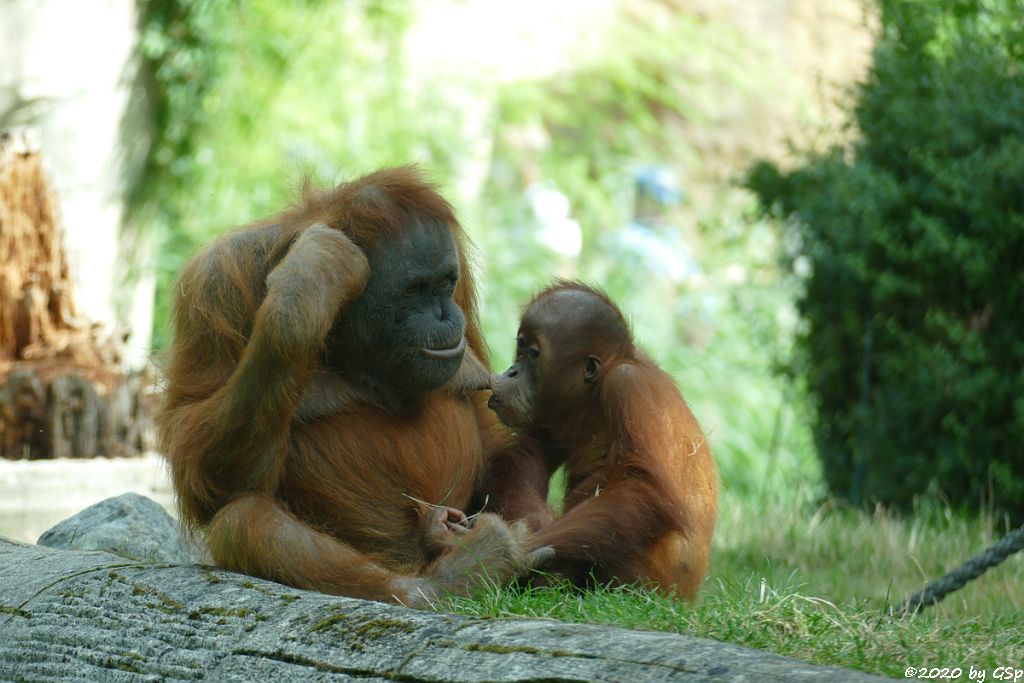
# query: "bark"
x,y
93,616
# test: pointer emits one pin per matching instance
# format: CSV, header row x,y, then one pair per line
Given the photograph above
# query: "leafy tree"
x,y
914,341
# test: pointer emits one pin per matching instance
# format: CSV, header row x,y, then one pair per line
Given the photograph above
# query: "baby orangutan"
x,y
642,490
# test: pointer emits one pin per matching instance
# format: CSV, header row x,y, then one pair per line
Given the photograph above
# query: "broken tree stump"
x,y
63,391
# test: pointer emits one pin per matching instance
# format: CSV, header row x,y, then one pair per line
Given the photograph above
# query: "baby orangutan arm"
x,y
609,532
515,482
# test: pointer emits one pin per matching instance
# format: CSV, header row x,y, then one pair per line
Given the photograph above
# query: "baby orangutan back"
x,y
642,490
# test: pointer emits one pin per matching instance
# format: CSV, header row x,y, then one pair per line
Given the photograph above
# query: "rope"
x,y
956,579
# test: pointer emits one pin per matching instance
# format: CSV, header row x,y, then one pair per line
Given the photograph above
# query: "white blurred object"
x,y
508,41
802,266
735,274
558,230
655,253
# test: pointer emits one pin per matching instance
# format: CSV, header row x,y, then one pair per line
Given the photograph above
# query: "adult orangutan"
x,y
642,490
321,417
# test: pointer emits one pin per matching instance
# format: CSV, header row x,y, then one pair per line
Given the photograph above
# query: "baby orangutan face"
x,y
514,391
566,336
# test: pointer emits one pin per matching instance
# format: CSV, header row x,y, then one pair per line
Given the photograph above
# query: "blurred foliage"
x,y
914,346
251,96
659,81
633,104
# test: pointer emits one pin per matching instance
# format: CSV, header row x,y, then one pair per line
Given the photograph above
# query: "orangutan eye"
x,y
534,352
520,342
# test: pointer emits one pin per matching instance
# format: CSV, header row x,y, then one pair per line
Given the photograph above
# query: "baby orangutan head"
x,y
568,336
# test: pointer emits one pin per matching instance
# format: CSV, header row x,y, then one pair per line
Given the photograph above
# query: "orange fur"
x,y
641,498
293,473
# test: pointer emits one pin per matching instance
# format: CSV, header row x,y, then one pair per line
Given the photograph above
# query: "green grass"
x,y
789,575
814,583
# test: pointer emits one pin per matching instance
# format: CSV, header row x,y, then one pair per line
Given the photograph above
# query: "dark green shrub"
x,y
914,305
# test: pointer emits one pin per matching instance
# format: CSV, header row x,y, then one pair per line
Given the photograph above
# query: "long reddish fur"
x,y
328,505
642,487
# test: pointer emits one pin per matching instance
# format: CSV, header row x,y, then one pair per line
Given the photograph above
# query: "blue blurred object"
x,y
658,183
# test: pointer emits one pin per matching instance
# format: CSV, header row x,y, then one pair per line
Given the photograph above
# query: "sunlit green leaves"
x,y
916,234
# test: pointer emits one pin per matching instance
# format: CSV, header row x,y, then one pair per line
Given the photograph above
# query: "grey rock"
x,y
92,616
128,525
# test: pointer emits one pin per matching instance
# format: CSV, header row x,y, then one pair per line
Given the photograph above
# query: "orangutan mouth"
x,y
446,354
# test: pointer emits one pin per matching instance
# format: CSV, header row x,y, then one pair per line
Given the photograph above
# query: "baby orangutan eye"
x,y
534,352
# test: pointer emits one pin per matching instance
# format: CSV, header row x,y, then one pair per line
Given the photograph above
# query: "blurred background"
x,y
812,212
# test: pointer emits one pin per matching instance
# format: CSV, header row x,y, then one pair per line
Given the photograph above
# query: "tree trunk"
x,y
93,616
62,390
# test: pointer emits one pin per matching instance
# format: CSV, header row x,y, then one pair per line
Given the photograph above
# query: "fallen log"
x,y
94,616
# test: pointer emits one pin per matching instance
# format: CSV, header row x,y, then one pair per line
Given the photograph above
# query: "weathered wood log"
x,y
22,414
68,416
93,616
